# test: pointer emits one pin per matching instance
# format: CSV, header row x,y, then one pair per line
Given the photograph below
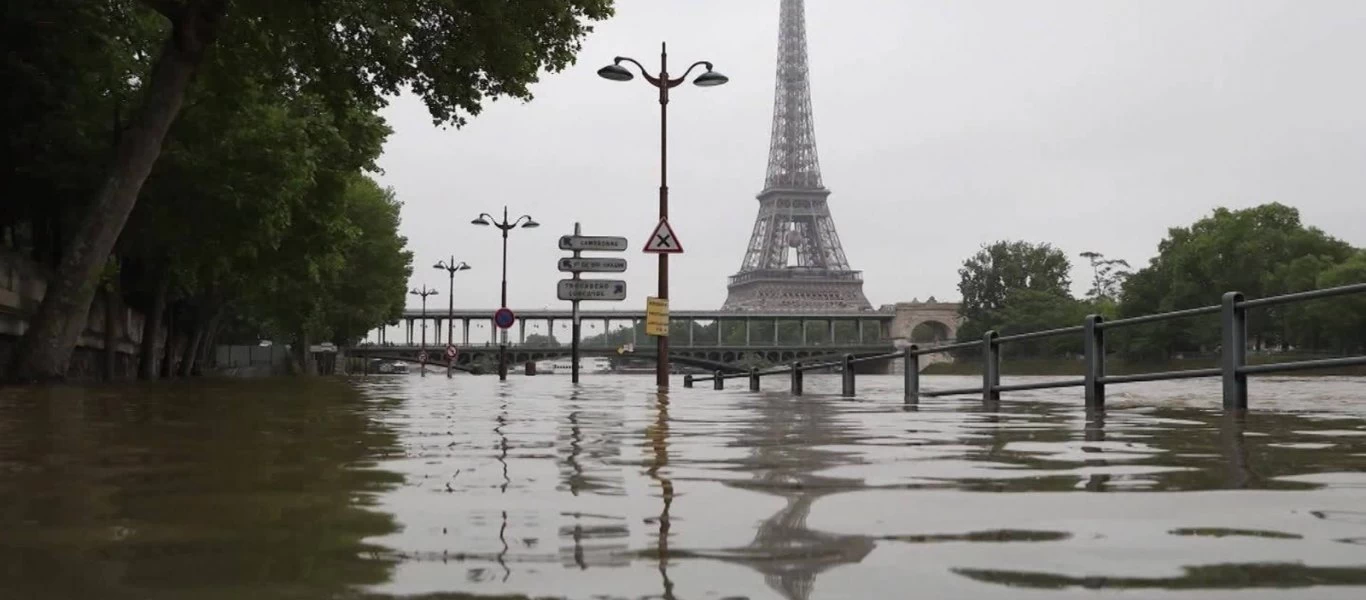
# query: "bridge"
x,y
706,357
922,322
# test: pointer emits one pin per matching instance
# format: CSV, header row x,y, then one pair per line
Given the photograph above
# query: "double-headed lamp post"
x,y
424,292
505,226
450,267
710,78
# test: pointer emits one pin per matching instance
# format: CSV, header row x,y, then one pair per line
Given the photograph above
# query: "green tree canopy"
x,y
988,277
349,54
1258,251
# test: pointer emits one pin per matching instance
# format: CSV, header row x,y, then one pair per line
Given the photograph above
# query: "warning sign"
x,y
663,240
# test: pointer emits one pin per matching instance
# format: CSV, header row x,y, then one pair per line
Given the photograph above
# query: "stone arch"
x,y
932,320
931,331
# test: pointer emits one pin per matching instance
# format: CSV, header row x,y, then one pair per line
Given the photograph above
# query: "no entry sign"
x,y
504,318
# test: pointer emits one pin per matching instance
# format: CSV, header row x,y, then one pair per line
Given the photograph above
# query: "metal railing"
x,y
1233,368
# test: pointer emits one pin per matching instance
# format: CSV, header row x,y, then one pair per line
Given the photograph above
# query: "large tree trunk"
x,y
111,332
208,343
151,329
192,351
46,347
168,349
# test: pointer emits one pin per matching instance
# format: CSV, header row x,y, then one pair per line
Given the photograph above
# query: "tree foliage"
x,y
1107,276
102,83
1259,251
1013,287
988,277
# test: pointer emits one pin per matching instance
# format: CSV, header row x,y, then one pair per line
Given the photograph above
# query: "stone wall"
x,y
910,315
22,286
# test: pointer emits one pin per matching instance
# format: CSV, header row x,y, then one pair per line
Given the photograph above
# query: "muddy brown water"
x,y
403,486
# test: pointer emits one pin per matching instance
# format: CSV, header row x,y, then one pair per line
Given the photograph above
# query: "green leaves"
x,y
1259,251
988,277
452,53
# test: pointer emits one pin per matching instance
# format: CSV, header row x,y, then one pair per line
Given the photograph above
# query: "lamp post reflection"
x,y
658,434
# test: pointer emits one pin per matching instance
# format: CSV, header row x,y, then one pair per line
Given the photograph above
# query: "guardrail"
x,y
1233,369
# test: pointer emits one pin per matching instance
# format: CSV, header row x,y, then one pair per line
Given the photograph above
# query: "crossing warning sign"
x,y
663,240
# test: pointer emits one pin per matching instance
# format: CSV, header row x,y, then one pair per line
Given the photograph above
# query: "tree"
x,y
1016,286
1250,251
1108,276
1343,319
988,277
453,54
537,340
1028,310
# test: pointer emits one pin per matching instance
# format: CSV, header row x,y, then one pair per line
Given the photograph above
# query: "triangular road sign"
x,y
663,240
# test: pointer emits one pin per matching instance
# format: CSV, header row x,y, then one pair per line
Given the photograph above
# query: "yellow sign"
x,y
657,317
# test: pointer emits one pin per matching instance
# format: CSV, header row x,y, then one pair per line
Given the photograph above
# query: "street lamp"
x,y
450,267
424,292
710,78
524,221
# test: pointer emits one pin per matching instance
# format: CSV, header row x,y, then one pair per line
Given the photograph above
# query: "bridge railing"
x,y
1233,368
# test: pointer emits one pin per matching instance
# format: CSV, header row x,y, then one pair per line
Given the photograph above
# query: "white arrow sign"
x,y
592,265
591,289
663,240
588,242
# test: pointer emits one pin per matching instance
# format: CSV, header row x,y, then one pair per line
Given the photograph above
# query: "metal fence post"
x,y
910,362
1093,351
687,381
1233,355
753,379
848,376
797,378
718,383
991,368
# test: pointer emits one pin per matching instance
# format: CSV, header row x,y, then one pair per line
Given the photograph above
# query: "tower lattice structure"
x,y
794,261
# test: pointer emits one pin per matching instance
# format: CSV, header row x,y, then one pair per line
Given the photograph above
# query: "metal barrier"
x,y
1233,367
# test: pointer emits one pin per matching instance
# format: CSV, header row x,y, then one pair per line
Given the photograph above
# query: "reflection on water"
x,y
403,487
201,490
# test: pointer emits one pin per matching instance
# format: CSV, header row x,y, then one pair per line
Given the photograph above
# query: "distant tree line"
x,y
207,161
1016,287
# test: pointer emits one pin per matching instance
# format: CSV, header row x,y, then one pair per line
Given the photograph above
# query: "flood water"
x,y
402,486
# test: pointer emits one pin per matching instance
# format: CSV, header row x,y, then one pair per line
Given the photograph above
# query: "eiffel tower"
x,y
795,261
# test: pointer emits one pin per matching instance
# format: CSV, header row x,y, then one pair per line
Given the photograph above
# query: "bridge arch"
x,y
931,332
926,322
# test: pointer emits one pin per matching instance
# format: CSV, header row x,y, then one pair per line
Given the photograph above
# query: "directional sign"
x,y
591,289
663,240
592,265
589,242
504,318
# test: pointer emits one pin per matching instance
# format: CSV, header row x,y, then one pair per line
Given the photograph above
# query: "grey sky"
x,y
942,125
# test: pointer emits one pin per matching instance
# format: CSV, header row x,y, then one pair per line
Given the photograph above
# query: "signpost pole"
x,y
574,343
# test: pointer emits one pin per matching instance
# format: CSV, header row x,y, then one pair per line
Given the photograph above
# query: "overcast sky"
x,y
942,125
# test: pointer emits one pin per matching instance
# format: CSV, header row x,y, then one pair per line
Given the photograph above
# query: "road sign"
x,y
663,240
592,242
504,318
657,317
592,265
591,289
422,356
451,352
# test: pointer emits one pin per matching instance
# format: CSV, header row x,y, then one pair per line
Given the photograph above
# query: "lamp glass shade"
x,y
710,79
615,73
